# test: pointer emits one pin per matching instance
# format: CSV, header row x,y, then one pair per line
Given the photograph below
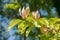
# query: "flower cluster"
x,y
25,12
48,27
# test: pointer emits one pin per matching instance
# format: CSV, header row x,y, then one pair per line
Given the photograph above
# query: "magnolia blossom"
x,y
24,13
36,14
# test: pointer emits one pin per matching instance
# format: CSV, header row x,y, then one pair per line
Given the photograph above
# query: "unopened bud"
x,y
24,13
36,15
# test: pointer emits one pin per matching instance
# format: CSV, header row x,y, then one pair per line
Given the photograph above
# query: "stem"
x,y
25,35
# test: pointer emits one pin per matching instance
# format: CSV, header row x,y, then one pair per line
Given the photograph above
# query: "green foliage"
x,y
13,23
28,31
13,6
29,23
22,27
48,27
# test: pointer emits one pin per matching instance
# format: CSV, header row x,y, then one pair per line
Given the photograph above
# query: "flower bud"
x,y
24,13
36,15
27,11
44,30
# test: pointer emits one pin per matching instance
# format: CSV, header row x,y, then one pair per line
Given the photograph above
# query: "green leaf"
x,y
28,31
58,35
43,21
53,38
13,23
29,19
56,27
22,27
53,20
36,24
13,6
